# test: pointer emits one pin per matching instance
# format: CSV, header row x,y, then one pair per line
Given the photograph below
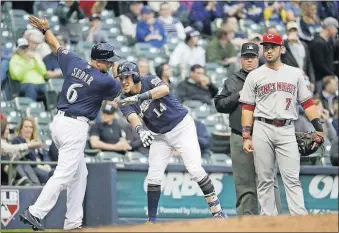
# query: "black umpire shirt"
x,y
227,99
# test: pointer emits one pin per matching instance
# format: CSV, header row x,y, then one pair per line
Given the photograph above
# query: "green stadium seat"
x,y
107,14
22,103
221,159
7,107
192,104
136,157
35,109
112,156
14,118
55,84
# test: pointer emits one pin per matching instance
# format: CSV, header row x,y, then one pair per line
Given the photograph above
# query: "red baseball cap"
x,y
272,38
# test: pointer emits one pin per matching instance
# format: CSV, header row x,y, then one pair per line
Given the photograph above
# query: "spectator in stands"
x,y
234,9
6,54
329,93
28,69
128,21
257,38
203,13
221,49
272,29
95,34
328,9
149,29
334,153
196,87
163,71
322,51
274,12
172,25
13,152
92,7
254,10
143,64
69,14
36,42
308,23
156,5
297,53
292,10
188,53
52,63
27,132
109,135
232,24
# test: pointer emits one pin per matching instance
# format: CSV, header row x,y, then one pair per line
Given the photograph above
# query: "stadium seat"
x,y
35,109
112,156
220,159
146,50
55,84
192,104
220,142
136,157
7,107
14,118
22,103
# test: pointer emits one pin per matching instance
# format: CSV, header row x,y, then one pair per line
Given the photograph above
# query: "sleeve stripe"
x,y
306,104
249,107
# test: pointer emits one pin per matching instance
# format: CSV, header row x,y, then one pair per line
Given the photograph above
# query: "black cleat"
x,y
27,218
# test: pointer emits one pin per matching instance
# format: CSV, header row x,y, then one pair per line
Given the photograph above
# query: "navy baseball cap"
x,y
146,10
104,52
250,48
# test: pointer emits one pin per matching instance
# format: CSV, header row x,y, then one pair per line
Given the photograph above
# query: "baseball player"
x,y
170,128
269,99
227,101
86,86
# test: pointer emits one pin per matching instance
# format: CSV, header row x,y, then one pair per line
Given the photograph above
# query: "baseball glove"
x,y
308,143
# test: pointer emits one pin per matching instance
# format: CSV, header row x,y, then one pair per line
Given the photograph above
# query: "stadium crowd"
x,y
197,46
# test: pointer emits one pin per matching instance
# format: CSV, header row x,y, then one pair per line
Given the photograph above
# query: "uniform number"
x,y
288,103
161,110
72,94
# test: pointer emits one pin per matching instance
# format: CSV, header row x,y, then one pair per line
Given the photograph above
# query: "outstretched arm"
x,y
146,136
43,26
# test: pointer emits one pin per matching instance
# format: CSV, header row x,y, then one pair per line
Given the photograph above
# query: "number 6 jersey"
x,y
84,87
160,115
275,92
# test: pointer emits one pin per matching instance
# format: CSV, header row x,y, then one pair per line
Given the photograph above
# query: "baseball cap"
x,y
272,38
250,48
146,10
104,52
291,25
330,21
22,42
108,109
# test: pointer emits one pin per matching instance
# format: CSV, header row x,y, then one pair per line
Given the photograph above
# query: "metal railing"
x,y
12,163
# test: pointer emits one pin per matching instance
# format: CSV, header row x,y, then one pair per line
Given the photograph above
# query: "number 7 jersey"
x,y
275,93
159,115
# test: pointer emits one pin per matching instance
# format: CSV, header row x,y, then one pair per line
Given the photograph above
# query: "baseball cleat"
x,y
220,214
27,218
149,222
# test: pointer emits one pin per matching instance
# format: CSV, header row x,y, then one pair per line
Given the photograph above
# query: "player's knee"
x,y
197,173
154,180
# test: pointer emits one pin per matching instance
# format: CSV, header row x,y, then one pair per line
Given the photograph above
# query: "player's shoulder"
x,y
261,70
151,79
293,70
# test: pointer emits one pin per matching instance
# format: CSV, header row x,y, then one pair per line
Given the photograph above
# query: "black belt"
x,y
276,123
66,114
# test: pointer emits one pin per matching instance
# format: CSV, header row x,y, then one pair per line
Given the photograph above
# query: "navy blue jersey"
x,y
84,87
160,115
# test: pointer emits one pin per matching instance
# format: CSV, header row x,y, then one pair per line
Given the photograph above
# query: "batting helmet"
x,y
104,52
127,68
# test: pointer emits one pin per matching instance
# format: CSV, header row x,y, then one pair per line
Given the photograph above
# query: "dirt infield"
x,y
283,223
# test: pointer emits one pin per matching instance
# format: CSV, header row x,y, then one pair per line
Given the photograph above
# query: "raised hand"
x,y
40,24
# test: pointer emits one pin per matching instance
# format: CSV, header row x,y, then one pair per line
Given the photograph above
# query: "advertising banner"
x,y
182,198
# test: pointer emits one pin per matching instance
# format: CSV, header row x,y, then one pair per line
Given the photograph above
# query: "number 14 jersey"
x,y
84,87
159,115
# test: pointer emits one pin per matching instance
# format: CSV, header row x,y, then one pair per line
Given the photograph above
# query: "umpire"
x,y
226,101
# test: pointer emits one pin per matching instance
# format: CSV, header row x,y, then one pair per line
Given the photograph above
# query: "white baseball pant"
x,y
69,136
182,138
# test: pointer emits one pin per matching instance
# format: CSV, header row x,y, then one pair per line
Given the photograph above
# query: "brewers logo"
x,y
9,205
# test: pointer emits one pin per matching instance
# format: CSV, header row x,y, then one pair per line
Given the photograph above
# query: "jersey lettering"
x,y
288,103
161,110
72,94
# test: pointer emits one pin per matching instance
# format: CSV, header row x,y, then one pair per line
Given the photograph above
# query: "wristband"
x,y
145,96
246,132
138,128
44,30
317,124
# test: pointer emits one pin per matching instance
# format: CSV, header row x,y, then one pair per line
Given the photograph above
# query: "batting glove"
x,y
129,100
146,136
